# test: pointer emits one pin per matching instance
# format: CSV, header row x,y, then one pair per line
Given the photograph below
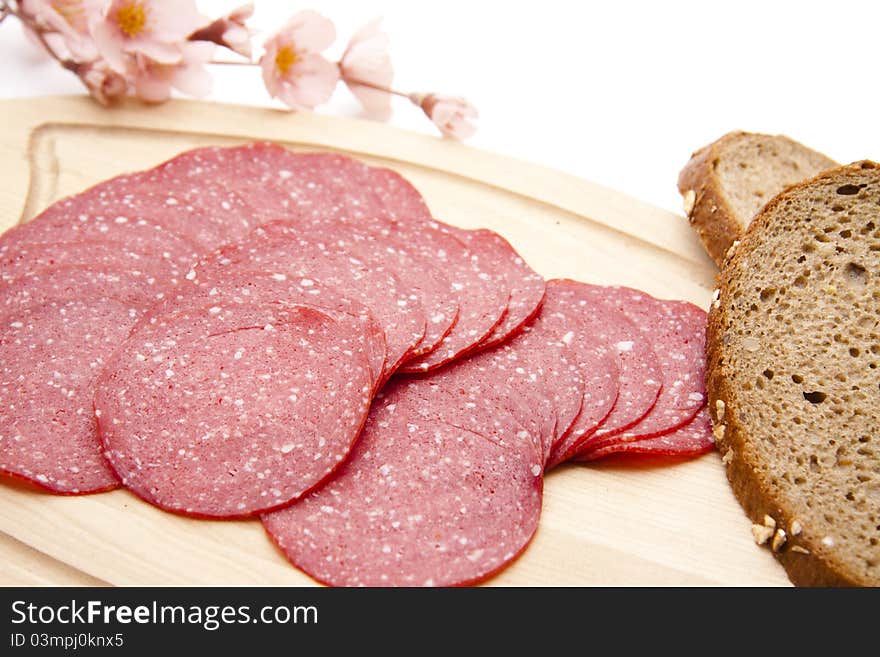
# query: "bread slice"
x,y
725,183
793,376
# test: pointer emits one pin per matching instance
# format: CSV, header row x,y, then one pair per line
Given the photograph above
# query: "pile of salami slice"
x,y
251,331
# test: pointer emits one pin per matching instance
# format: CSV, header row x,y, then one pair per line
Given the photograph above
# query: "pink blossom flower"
x,y
230,31
366,59
450,114
155,29
153,80
64,24
293,69
104,84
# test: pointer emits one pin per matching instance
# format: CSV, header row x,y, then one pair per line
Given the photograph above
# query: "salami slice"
x,y
98,215
325,188
692,439
526,285
639,376
274,247
72,281
207,210
419,503
518,387
487,274
50,355
27,258
580,375
244,286
473,394
677,331
424,280
485,293
226,411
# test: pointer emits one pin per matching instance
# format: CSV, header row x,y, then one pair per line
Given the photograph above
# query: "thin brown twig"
x,y
371,85
226,63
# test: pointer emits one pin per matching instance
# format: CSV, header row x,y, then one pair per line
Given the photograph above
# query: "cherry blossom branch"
x,y
116,47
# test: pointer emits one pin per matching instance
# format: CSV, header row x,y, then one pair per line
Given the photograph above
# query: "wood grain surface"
x,y
656,523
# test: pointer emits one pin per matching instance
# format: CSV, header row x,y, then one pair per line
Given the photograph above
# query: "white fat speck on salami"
x,y
50,356
213,414
692,439
677,331
420,503
638,371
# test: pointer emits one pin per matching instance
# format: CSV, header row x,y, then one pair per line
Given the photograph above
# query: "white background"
x,y
616,92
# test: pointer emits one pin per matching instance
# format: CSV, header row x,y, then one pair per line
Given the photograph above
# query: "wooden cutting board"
x,y
603,524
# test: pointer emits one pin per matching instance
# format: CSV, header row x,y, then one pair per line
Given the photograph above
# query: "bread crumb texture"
x,y
794,359
753,168
727,182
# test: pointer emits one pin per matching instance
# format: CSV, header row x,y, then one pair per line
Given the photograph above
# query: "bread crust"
x,y
711,216
814,568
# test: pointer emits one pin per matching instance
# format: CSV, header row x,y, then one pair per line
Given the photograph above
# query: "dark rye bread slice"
x,y
727,182
793,353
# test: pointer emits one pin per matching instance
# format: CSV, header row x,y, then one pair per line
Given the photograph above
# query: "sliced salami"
x,y
244,286
484,293
677,331
50,356
420,503
408,214
27,258
226,411
98,215
426,282
72,281
692,439
276,248
208,212
526,285
474,394
639,376
326,188
580,375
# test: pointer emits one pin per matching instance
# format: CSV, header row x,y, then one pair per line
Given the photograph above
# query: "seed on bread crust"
x,y
779,539
719,409
761,533
688,201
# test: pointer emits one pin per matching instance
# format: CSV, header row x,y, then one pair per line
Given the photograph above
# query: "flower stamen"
x,y
284,59
132,18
